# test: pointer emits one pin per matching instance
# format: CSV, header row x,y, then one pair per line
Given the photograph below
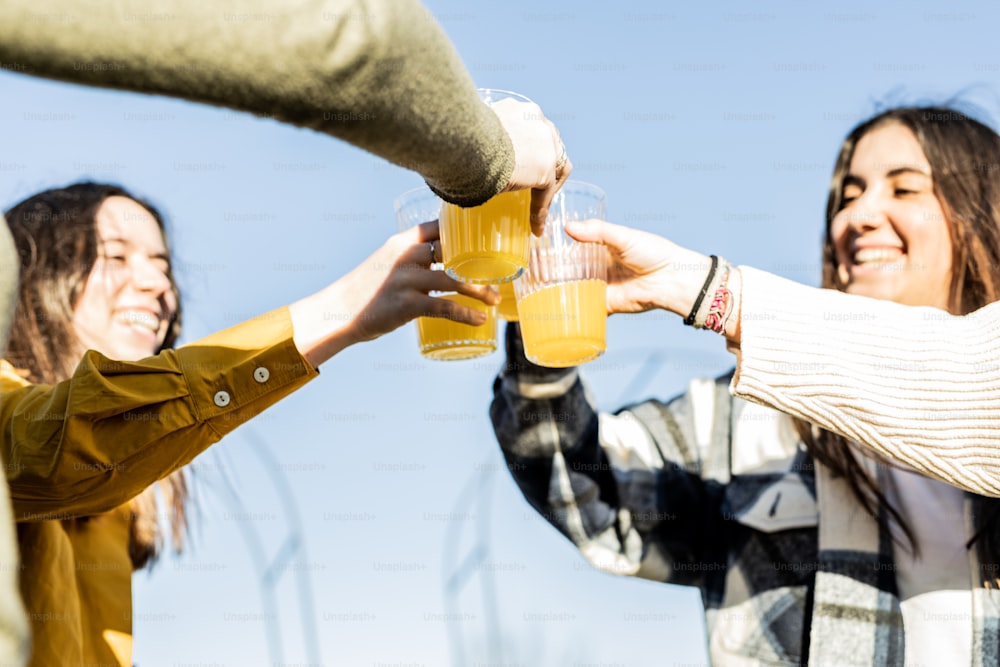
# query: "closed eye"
x,y
849,195
852,188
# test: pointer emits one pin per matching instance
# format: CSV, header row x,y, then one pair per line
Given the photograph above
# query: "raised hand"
x,y
645,271
381,294
540,160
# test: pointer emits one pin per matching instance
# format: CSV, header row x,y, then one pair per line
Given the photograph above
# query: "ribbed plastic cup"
x,y
488,244
562,297
439,338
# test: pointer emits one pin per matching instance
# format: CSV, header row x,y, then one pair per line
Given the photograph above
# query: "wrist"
x,y
716,306
322,328
685,279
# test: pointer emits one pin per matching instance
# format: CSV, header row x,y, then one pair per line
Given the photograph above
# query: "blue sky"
x,y
714,124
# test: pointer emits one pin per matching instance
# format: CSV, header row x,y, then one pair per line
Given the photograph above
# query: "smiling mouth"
x,y
141,319
875,257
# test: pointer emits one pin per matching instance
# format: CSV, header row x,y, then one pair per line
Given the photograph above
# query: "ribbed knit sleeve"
x,y
914,384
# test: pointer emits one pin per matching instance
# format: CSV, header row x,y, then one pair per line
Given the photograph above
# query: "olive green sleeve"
x,y
379,74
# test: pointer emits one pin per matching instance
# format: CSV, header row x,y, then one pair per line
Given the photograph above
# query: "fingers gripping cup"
x,y
562,297
488,244
440,338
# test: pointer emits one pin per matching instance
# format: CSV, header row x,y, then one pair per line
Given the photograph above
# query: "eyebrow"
x,y
892,173
908,170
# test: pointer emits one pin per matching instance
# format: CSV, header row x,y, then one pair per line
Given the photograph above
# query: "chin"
x,y
130,353
875,292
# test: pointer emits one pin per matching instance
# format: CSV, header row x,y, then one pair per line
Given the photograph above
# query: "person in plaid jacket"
x,y
808,548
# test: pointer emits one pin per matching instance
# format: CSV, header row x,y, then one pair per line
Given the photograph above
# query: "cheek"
x,y
95,299
104,281
838,232
88,312
945,256
170,308
931,232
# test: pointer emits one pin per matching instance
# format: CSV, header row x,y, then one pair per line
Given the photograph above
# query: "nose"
x,y
868,211
149,276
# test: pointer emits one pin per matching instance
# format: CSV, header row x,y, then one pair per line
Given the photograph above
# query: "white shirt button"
x,y
222,398
261,374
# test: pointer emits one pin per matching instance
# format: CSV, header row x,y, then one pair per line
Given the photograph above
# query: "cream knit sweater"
x,y
914,384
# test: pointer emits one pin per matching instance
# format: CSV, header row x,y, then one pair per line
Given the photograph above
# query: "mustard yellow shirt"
x,y
86,446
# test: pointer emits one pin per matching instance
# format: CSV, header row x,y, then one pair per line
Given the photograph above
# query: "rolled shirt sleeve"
x,y
93,442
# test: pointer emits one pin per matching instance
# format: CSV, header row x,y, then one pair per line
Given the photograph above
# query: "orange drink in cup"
x,y
564,324
440,338
488,244
446,340
507,308
562,297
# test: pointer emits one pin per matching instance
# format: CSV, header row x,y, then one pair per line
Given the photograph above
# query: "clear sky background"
x,y
715,124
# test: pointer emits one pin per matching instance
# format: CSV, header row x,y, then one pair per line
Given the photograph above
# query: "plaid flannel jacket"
x,y
712,491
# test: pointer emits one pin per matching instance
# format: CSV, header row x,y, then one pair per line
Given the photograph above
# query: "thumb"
x,y
597,231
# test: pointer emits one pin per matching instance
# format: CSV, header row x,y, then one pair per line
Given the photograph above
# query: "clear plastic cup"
x,y
488,244
507,308
562,297
440,338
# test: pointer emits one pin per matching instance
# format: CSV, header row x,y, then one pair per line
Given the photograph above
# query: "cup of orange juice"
x,y
488,244
507,308
562,297
440,338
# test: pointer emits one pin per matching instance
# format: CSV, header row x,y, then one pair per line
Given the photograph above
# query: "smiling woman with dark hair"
x,y
91,418
808,547
306,72
95,274
60,238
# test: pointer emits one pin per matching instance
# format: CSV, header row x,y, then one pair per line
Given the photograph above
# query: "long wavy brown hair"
x,y
55,233
964,155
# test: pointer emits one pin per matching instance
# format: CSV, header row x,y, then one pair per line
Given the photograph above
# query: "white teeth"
x,y
876,255
141,318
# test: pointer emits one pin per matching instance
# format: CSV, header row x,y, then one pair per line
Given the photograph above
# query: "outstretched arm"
x,y
914,384
625,488
379,74
90,443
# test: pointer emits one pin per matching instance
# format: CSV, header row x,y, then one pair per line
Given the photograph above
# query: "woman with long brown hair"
x,y
97,301
807,547
95,274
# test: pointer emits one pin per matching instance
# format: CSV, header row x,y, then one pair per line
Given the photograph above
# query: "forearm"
x,y
599,479
914,384
324,326
380,74
90,443
539,412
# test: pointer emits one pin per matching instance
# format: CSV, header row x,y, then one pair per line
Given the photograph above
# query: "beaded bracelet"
x,y
713,313
690,319
721,306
